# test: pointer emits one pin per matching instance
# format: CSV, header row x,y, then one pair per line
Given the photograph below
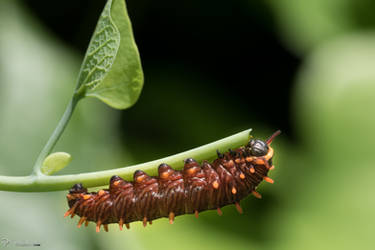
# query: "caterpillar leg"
x,y
256,194
71,210
145,221
81,221
171,218
121,223
98,224
219,212
238,207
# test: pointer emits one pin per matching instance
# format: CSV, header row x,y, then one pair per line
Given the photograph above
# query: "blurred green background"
x,y
212,68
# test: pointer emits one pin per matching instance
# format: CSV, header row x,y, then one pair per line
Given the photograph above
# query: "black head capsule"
x,y
257,147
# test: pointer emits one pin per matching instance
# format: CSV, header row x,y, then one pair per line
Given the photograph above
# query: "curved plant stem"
x,y
56,134
42,183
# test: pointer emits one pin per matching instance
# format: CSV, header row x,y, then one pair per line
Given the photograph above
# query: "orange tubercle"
x,y
259,161
145,221
164,175
192,171
268,179
121,223
249,159
242,176
140,178
171,217
215,184
234,190
230,164
87,196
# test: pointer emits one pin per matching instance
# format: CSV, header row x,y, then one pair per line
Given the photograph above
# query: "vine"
x,y
111,71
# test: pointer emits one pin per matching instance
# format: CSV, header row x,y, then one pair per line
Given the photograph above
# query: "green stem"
x,y
42,183
56,134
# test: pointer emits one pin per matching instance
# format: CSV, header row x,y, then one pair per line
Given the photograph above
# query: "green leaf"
x,y
55,162
111,70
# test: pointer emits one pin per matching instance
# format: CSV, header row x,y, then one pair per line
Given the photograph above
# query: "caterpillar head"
x,y
257,147
75,193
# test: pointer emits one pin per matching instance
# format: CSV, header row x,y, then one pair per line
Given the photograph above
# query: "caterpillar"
x,y
228,179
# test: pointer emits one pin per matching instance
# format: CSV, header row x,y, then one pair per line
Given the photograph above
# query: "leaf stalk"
x,y
56,134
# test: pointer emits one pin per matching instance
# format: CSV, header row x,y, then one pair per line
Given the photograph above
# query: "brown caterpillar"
x,y
227,180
